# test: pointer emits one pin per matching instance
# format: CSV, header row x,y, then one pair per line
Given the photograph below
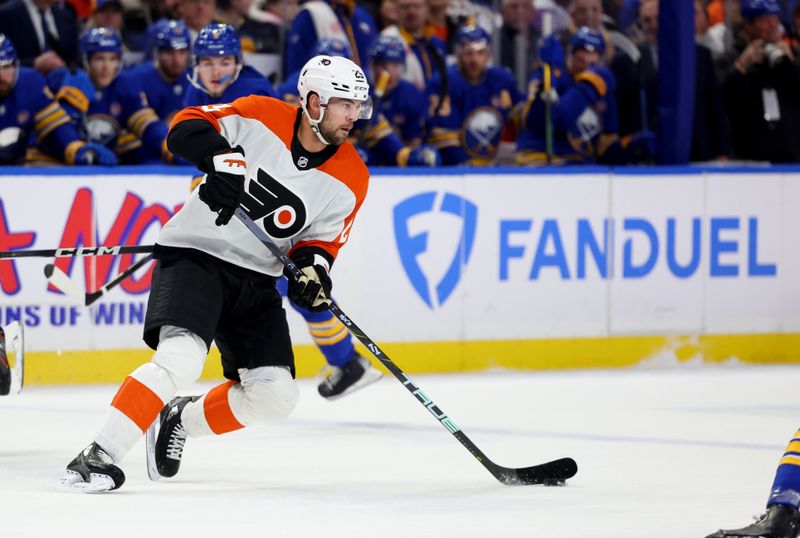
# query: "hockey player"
x,y
403,104
380,145
320,19
27,108
293,171
164,81
109,104
781,520
467,127
218,72
583,112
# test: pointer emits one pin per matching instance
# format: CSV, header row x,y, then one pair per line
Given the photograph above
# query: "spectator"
x,y
218,72
519,17
760,91
387,14
109,14
45,33
265,24
340,19
467,127
27,108
197,14
104,103
425,53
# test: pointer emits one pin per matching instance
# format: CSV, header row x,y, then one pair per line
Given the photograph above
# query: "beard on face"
x,y
330,132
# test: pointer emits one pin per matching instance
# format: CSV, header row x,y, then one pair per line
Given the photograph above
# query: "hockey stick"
x,y
547,29
77,251
63,282
550,473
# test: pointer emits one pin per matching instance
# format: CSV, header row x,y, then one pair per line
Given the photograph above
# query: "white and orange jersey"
x,y
297,203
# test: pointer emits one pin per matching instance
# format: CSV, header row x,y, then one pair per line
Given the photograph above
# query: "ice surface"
x,y
661,453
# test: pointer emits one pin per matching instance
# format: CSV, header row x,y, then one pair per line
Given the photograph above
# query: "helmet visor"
x,y
349,107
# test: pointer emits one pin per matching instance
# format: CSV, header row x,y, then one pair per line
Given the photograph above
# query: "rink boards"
x,y
454,271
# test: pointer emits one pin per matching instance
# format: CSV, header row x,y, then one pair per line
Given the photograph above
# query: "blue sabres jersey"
x,y
165,97
406,110
287,90
471,119
581,131
249,82
118,116
30,115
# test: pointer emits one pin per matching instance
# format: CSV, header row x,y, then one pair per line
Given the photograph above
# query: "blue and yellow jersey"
x,y
118,116
582,132
467,126
30,116
405,107
165,97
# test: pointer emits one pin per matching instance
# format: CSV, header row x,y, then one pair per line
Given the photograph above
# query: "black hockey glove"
x,y
223,189
311,291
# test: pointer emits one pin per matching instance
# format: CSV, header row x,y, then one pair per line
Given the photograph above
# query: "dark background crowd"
x,y
454,82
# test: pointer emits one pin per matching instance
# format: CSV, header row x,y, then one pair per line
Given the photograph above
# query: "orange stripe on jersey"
x,y
218,411
137,402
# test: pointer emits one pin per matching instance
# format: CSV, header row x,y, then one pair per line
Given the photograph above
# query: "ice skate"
x,y
779,521
338,381
92,471
166,439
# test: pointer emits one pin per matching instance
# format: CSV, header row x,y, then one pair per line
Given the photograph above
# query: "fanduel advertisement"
x,y
448,258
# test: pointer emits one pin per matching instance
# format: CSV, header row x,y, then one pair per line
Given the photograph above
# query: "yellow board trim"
x,y
111,366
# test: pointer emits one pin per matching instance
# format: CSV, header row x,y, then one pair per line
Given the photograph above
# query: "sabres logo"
x,y
481,132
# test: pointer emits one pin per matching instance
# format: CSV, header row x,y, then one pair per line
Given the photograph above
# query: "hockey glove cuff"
x,y
313,289
224,187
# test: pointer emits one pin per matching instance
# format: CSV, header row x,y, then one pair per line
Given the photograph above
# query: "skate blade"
x,y
150,447
371,375
72,482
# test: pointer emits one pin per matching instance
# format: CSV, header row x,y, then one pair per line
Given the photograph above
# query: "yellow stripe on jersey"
x,y
74,97
50,123
46,111
71,150
140,120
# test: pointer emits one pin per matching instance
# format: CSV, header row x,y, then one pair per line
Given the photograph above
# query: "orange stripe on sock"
x,y
138,402
218,411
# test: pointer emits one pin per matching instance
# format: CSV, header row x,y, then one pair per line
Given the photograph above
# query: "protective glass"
x,y
347,108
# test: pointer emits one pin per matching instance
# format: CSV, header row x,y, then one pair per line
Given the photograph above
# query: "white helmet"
x,y
333,76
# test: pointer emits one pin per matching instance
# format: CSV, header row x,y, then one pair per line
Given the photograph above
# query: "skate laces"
x,y
177,440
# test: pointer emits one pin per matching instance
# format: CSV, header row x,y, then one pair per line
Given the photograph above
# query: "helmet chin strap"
x,y
315,124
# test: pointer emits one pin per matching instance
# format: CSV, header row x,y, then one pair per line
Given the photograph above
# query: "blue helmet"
x,y
217,40
472,34
332,46
167,34
752,9
8,54
587,39
388,48
99,40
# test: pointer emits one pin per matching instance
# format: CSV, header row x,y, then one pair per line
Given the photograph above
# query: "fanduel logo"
x,y
410,247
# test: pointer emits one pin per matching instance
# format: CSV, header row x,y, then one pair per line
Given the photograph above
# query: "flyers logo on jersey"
x,y
284,212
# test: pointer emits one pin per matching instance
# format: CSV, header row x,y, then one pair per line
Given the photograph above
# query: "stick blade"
x,y
552,473
60,280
